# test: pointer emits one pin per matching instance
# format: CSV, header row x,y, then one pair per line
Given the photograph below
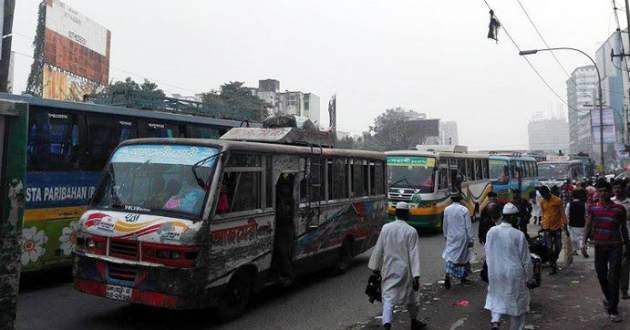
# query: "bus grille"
x,y
122,272
123,249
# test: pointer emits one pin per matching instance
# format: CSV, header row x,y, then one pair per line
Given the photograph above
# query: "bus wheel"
x,y
235,297
342,263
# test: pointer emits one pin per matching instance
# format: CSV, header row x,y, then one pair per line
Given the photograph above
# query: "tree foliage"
x,y
390,131
35,82
235,96
130,85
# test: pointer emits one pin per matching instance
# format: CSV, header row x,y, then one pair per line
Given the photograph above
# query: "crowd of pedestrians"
x,y
586,213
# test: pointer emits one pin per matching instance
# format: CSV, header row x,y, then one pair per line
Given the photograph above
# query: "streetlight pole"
x,y
599,88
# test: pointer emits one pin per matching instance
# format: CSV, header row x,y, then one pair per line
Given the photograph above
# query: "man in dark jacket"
x,y
490,214
524,209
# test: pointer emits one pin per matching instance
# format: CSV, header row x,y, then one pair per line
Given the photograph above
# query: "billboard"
x,y
608,117
609,134
424,127
59,85
75,43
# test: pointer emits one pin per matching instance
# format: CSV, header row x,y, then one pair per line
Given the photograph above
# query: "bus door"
x,y
456,179
443,182
517,174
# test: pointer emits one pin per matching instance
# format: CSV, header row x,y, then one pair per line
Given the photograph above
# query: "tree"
x,y
130,85
392,133
235,96
35,82
347,142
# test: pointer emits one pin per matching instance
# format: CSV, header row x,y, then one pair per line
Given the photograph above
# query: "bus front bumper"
x,y
172,288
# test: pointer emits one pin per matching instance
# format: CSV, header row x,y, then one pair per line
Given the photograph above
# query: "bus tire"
x,y
235,297
440,229
344,256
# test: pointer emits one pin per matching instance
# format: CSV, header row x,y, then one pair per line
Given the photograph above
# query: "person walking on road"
x,y
619,189
576,212
490,214
396,257
606,226
525,211
459,237
553,220
534,200
510,271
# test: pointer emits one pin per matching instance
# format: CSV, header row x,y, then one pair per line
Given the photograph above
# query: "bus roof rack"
x,y
150,101
282,135
442,147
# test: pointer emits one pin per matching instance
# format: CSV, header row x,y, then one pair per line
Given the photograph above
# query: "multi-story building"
x,y
549,134
296,103
581,96
448,133
614,77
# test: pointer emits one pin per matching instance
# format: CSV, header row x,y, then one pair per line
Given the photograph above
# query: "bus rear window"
x,y
161,179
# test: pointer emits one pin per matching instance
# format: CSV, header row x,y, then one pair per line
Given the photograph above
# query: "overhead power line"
x,y
530,63
547,45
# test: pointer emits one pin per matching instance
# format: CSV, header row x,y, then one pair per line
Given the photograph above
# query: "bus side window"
x,y
55,141
443,179
201,132
461,167
378,178
470,169
478,172
242,189
337,179
104,135
484,168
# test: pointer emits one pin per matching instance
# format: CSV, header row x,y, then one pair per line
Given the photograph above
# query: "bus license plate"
x,y
118,292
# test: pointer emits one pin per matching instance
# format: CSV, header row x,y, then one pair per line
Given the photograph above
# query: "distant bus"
x,y
214,239
513,172
556,172
425,180
589,165
68,146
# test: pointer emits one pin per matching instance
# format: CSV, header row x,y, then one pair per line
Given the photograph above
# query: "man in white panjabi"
x,y
397,257
458,233
509,271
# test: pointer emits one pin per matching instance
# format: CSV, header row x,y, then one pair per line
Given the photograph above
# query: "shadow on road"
x,y
45,279
143,317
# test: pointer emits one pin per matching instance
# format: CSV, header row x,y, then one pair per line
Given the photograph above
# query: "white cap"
x,y
402,206
510,208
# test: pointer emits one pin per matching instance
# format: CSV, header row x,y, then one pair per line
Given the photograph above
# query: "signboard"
x,y
608,116
75,43
609,134
558,158
411,161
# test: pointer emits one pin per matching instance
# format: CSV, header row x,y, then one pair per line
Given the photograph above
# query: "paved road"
x,y
317,301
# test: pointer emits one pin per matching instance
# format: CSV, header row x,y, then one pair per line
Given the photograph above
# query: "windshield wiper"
x,y
201,183
403,179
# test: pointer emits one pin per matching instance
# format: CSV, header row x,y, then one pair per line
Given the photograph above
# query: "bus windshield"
x,y
411,172
169,180
553,171
498,171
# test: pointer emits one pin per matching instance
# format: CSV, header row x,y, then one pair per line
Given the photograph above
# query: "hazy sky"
x,y
429,56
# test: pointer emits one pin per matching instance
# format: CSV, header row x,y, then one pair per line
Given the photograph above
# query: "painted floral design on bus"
x,y
68,238
32,245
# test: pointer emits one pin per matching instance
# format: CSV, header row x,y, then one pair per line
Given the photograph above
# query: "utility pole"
x,y
7,30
